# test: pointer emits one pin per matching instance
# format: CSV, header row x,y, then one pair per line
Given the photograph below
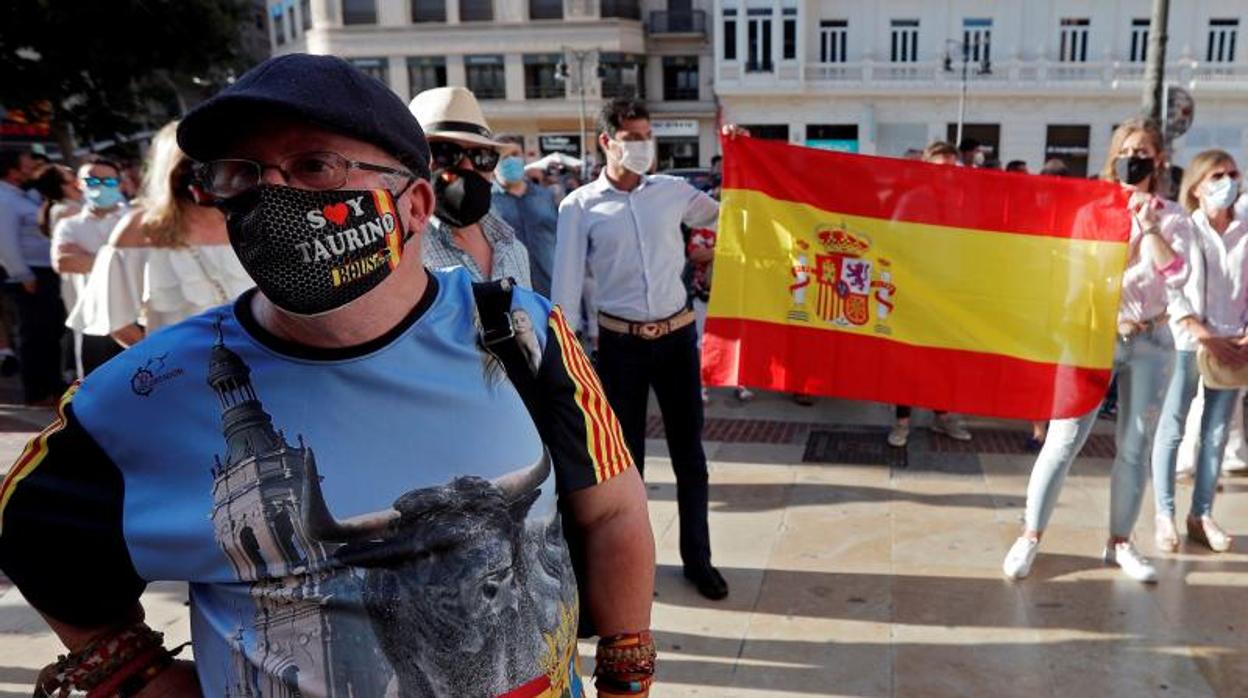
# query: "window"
x,y
428,11
1074,47
545,9
905,41
425,73
680,78
977,40
623,9
789,49
769,132
988,135
359,11
623,75
279,25
486,76
476,10
730,34
674,152
305,9
539,76
839,137
758,40
1221,47
832,36
1139,40
375,67
1070,145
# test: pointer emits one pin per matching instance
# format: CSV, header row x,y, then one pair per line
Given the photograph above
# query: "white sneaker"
x,y
706,397
1018,561
950,426
1234,466
1133,564
744,394
899,435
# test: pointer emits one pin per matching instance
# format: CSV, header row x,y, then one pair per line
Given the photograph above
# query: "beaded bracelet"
x,y
625,663
116,664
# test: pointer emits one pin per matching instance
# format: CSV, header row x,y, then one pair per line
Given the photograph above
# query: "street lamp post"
x,y
580,56
985,68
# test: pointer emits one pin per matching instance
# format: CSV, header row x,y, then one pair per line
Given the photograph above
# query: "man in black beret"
x,y
375,478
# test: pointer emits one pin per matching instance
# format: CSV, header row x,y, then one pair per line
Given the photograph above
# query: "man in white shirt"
x,y
76,239
626,224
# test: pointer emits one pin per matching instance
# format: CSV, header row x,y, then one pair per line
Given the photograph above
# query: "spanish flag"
x,y
982,292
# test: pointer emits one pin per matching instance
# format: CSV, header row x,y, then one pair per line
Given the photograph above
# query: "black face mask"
x,y
463,196
1133,170
311,252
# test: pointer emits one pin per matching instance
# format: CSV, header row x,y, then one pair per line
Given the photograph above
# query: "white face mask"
x,y
636,156
1221,193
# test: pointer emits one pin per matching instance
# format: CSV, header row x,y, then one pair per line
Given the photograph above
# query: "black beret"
x,y
325,91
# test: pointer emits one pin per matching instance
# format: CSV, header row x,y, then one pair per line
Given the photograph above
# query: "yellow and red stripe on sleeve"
x,y
34,453
982,292
604,438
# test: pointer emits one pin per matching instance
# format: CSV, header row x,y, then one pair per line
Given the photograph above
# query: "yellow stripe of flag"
x,y
1025,296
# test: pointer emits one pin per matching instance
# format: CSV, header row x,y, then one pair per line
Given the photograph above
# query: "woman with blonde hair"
x,y
167,260
1155,274
1210,313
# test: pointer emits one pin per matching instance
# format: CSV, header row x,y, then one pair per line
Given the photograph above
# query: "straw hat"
x,y
452,112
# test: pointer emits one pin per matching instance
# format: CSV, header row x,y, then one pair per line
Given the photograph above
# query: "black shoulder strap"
x,y
498,336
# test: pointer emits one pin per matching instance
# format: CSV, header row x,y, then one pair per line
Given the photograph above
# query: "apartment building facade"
x,y
530,62
1045,78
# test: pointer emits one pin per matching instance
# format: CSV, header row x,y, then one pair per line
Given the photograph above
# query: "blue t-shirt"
x,y
380,520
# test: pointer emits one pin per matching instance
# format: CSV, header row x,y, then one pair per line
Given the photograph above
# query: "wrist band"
x,y
624,663
117,664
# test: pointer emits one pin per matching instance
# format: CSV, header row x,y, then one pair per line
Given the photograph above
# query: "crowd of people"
x,y
314,203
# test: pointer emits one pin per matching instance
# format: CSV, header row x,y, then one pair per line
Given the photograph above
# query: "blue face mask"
x,y
104,196
510,169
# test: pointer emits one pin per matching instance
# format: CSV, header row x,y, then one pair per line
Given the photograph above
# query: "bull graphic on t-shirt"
x,y
455,581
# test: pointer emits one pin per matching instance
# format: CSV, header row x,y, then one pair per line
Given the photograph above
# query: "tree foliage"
x,y
113,67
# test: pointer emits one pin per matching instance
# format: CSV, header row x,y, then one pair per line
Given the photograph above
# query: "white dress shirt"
x,y
1215,291
1147,290
633,243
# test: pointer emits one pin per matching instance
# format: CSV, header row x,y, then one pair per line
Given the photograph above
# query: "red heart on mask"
x,y
336,213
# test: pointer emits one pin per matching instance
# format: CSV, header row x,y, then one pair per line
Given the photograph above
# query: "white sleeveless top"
x,y
156,286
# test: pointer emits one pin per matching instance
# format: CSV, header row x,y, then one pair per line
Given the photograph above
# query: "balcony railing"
x,y
1007,74
678,22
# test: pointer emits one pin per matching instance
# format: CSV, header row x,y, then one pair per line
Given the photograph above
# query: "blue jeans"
x,y
1142,366
1214,427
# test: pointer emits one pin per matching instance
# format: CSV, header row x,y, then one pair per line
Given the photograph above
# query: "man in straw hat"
x,y
462,232
358,497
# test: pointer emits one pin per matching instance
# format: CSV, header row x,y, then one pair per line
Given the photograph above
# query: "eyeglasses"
x,y
449,154
316,170
101,181
1233,174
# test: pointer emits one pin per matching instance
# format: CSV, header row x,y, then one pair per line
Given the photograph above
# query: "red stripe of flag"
x,y
769,354
863,185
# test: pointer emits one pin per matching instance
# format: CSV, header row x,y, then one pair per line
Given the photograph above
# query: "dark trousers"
x,y
629,366
96,351
903,412
40,324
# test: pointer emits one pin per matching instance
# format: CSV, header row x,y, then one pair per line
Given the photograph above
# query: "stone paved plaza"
x,y
880,576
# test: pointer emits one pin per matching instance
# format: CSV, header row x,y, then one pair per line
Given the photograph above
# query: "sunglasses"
x,y
449,154
101,181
